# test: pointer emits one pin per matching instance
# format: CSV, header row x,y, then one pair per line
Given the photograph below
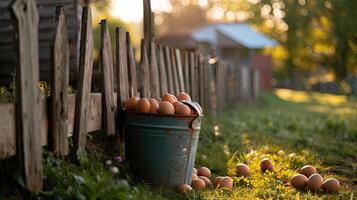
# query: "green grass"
x,y
291,128
305,128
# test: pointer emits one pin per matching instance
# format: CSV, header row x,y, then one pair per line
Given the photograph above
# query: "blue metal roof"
x,y
241,33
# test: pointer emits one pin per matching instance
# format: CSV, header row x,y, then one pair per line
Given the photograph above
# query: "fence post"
x,y
180,78
106,62
25,19
170,77
186,71
133,82
174,71
84,80
59,85
154,73
144,72
162,71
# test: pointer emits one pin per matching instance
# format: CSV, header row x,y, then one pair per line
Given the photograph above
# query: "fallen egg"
x,y
194,170
204,171
194,177
331,185
298,181
314,182
242,170
217,180
308,170
226,182
206,180
266,164
183,188
198,184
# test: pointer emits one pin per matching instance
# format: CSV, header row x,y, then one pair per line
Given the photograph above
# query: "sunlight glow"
x,y
132,11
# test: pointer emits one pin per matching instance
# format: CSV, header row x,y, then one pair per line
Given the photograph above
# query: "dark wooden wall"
x,y
47,11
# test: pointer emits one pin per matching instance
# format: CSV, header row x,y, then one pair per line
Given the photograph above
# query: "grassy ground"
x,y
291,128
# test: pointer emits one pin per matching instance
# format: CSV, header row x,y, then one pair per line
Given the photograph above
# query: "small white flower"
x,y
108,162
114,170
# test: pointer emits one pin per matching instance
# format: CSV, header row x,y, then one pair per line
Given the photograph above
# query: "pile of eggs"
x,y
201,179
308,177
168,104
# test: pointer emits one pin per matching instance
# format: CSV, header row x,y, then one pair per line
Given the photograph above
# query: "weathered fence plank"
x,y
174,71
162,71
193,81
144,72
28,98
121,65
154,72
169,72
186,71
59,85
7,131
180,78
106,62
84,80
133,82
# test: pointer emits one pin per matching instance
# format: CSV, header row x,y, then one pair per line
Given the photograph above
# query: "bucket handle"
x,y
196,123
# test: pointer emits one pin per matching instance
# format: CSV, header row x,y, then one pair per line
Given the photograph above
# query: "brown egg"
x,y
226,182
183,109
130,104
314,182
206,180
168,97
308,170
242,170
166,107
217,180
183,96
194,170
154,100
204,171
143,105
198,184
266,164
194,177
298,181
183,188
331,185
176,103
154,107
173,96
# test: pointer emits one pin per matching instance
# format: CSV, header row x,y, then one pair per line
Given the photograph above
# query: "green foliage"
x,y
89,180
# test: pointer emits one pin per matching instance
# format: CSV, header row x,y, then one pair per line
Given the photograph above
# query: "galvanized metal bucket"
x,y
161,149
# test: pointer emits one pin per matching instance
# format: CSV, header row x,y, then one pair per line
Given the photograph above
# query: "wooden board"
x,y
169,72
106,63
28,98
7,130
84,80
154,72
144,72
162,71
59,86
180,77
174,71
133,82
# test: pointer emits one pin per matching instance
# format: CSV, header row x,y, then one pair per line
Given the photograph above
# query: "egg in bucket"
x,y
161,147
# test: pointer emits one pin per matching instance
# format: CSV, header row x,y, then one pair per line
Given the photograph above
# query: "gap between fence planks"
x,y
84,80
106,63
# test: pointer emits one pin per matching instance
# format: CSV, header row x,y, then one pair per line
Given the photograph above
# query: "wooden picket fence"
x,y
35,121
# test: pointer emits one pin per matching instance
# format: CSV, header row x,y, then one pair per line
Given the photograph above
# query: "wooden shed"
x,y
47,10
